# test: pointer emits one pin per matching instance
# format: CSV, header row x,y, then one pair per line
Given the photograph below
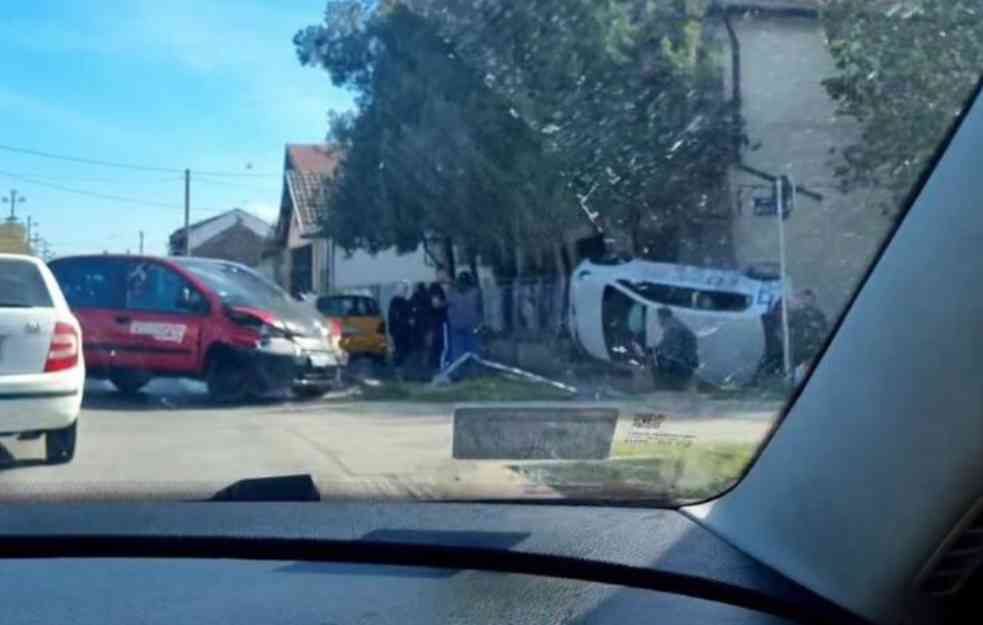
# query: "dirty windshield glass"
x,y
444,249
236,285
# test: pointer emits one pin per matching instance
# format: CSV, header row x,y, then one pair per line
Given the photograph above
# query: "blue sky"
x,y
211,85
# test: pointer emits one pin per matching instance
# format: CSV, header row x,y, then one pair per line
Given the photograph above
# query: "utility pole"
x,y
782,184
141,243
30,226
187,212
14,200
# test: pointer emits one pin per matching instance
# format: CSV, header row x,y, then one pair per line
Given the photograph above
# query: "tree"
x,y
628,93
494,122
905,71
432,153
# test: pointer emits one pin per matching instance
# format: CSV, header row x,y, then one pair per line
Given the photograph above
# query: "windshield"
x,y
537,250
348,307
236,285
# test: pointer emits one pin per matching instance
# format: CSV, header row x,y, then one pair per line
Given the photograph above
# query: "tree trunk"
x,y
449,259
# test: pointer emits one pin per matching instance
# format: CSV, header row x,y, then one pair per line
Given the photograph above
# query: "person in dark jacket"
x,y
438,304
808,329
421,323
772,360
399,326
676,357
464,318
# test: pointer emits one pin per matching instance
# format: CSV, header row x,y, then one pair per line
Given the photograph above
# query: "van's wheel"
x,y
59,445
129,382
228,379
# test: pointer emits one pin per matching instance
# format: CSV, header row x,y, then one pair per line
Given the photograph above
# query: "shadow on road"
x,y
143,402
164,395
8,462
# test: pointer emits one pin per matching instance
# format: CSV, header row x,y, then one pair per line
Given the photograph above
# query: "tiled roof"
x,y
312,158
307,191
205,229
309,171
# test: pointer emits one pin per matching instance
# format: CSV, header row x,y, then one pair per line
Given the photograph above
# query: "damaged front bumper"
x,y
298,363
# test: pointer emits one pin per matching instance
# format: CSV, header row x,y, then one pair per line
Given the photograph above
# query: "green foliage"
x,y
905,71
495,123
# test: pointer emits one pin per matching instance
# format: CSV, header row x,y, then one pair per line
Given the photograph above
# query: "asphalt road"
x,y
171,443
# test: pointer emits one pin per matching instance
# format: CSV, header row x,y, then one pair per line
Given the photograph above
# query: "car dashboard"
x,y
334,563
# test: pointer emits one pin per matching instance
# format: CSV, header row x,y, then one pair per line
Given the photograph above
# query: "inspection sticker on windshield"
x,y
644,432
165,332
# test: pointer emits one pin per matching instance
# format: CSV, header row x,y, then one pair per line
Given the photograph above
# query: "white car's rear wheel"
x,y
59,445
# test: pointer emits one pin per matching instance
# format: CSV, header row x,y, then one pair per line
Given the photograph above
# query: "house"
x,y
234,235
302,258
775,58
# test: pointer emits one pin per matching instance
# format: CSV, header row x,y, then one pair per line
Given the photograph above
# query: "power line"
x,y
87,161
130,166
95,194
102,180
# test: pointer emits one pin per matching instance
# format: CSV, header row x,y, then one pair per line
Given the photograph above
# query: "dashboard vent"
x,y
960,555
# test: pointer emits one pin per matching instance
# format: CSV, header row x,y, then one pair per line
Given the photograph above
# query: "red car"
x,y
144,317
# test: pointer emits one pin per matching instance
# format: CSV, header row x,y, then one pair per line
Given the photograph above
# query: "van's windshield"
x,y
236,285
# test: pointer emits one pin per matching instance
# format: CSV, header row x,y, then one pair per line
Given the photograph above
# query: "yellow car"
x,y
363,329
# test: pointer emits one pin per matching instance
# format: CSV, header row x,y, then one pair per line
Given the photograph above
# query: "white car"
x,y
612,314
42,371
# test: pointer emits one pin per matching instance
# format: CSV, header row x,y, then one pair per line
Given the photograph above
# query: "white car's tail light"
x,y
64,351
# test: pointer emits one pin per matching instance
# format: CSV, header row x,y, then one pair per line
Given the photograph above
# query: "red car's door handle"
x,y
123,319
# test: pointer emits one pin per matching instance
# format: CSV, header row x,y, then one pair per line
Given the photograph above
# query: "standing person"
x,y
676,357
808,329
438,303
399,325
772,361
464,317
421,320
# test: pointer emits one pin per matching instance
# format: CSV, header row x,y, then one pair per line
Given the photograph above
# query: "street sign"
x,y
767,205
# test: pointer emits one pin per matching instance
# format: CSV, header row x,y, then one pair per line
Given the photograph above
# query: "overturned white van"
x,y
612,314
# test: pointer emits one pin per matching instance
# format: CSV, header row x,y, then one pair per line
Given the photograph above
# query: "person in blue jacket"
x,y
464,318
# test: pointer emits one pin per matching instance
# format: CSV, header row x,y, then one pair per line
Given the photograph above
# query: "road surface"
x,y
171,443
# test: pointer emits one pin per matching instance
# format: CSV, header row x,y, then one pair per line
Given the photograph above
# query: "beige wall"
x,y
788,112
363,269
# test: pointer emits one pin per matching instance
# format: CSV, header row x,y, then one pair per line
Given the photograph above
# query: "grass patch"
x,y
488,389
671,473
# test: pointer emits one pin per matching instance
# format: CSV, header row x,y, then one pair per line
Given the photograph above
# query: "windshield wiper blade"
x,y
14,305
